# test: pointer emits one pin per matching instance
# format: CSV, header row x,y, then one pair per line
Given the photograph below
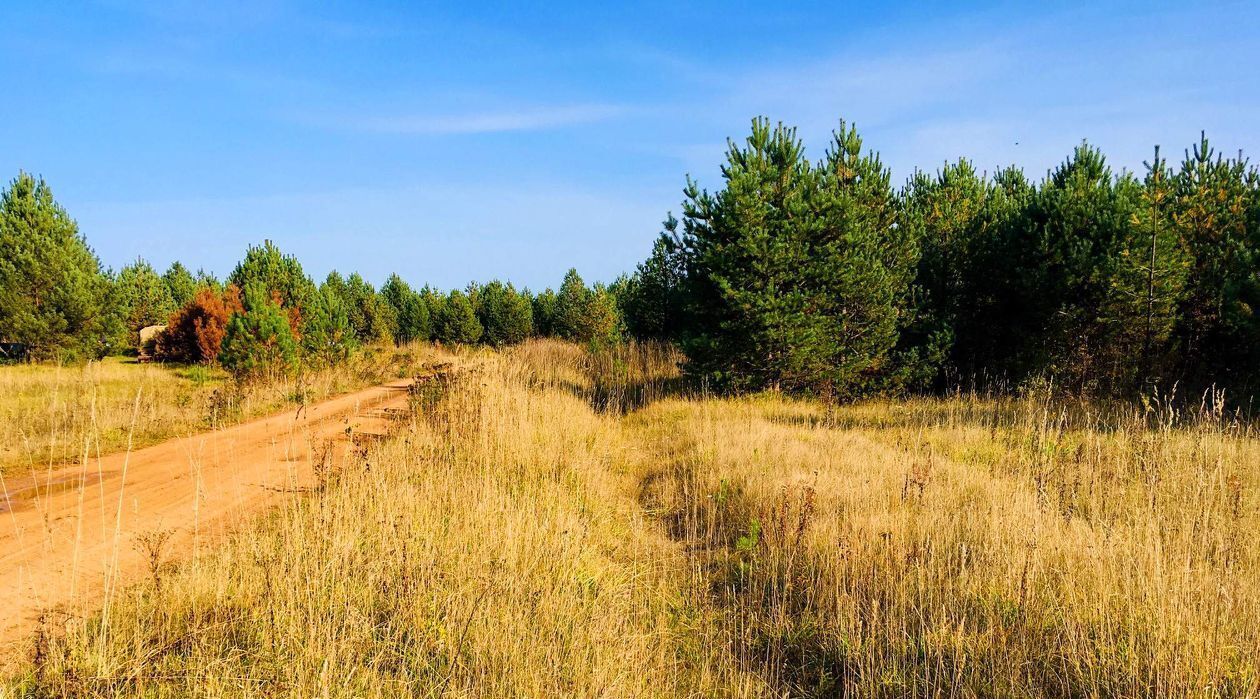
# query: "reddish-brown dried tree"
x,y
195,332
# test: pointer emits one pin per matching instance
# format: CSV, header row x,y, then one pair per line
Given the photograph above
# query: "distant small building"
x,y
148,336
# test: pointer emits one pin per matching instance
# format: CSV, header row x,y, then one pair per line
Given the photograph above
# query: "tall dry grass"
x,y
554,524
493,548
937,556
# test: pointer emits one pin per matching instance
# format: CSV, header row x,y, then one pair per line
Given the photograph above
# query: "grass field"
x,y
52,415
551,523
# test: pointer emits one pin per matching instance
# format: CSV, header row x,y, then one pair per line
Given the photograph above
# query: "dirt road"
x,y
69,537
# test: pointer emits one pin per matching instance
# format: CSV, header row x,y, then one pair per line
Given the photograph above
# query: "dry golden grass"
x,y
918,551
52,415
552,524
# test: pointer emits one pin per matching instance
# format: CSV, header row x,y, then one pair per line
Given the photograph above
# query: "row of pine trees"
x,y
798,275
822,277
268,316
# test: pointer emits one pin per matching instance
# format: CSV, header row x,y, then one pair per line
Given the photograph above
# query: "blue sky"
x,y
450,143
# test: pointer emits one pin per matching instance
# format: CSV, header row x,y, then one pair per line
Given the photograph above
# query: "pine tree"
x,y
51,287
1081,222
1218,332
138,298
506,317
572,301
794,273
1151,277
207,280
603,324
259,340
745,254
280,275
180,283
945,216
371,318
410,310
544,313
328,337
335,284
861,268
435,302
457,322
992,326
650,300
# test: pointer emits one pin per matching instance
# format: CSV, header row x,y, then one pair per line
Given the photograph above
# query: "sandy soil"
x,y
70,536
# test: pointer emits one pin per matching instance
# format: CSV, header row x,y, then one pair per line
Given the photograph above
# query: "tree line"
x,y
823,277
798,275
267,317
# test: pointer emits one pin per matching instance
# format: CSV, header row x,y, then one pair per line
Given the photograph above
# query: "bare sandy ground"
x,y
69,537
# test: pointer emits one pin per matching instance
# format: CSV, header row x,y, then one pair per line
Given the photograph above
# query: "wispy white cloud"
x,y
476,122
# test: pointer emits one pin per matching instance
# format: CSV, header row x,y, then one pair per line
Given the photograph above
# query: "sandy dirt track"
x,y
68,537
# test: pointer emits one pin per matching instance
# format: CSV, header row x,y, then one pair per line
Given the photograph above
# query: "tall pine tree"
x,y
1212,211
944,213
412,321
795,273
51,287
180,283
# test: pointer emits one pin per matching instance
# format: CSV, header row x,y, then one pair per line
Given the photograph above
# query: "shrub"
x,y
195,332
